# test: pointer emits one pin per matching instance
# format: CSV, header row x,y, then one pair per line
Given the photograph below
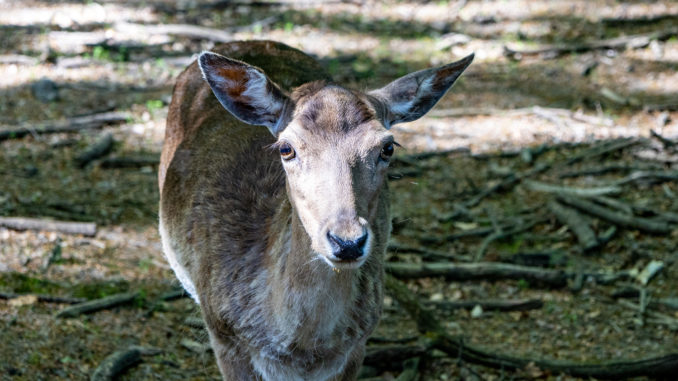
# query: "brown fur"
x,y
224,196
247,232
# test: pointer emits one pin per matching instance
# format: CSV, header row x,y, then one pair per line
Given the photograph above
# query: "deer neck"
x,y
308,297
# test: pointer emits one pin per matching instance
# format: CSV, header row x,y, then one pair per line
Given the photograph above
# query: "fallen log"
x,y
120,361
623,220
97,305
68,125
579,226
25,223
429,326
478,270
636,41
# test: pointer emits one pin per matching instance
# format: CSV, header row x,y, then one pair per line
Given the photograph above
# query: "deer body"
x,y
281,247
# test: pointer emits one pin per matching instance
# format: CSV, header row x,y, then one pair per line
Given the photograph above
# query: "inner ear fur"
x,y
244,90
410,97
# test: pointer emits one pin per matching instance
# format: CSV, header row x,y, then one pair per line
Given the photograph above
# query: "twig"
x,y
68,125
25,223
628,221
100,148
120,361
507,183
488,305
479,270
501,234
664,366
97,305
576,223
195,346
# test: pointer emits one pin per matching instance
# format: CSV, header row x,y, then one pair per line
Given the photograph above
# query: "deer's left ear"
x,y
410,97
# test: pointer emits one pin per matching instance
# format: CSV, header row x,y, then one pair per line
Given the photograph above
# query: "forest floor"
x,y
560,115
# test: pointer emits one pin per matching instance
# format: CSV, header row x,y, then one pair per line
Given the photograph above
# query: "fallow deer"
x,y
279,235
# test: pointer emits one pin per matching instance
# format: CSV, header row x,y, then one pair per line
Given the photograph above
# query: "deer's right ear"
x,y
244,90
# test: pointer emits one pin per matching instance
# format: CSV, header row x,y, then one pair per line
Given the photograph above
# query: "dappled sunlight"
x,y
67,15
554,108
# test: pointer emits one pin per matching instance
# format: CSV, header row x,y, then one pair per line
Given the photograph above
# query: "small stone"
x,y
477,311
438,296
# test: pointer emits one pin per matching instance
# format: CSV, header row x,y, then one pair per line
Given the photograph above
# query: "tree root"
x,y
427,325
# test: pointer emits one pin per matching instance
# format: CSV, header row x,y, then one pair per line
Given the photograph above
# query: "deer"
x,y
279,234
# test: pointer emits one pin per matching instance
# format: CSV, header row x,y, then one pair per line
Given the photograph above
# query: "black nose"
x,y
347,250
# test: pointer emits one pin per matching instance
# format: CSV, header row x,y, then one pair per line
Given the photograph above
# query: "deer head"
x,y
334,143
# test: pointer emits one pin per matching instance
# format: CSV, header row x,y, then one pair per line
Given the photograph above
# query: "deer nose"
x,y
347,250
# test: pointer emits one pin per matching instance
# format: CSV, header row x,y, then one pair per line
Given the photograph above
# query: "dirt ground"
x,y
583,114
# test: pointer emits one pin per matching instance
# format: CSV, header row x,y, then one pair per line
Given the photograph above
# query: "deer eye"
x,y
287,152
386,152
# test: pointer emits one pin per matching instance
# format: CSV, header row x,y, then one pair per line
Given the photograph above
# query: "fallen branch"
x,y
479,270
18,59
488,305
636,41
538,186
120,361
130,161
68,125
377,355
601,170
579,226
649,176
641,20
44,298
25,223
603,149
97,305
427,325
397,248
100,148
624,220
